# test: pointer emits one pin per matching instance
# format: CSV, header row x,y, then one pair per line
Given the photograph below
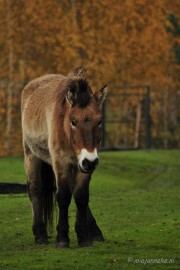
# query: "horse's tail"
x,y
48,192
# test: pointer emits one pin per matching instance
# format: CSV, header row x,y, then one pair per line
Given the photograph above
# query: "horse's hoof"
x,y
62,244
41,241
85,244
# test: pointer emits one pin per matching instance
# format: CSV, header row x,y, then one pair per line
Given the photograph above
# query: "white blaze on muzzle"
x,y
89,157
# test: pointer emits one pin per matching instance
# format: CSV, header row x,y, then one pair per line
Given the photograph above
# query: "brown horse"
x,y
61,124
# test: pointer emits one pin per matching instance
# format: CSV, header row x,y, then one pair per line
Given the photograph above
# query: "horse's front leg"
x,y
63,198
94,230
81,196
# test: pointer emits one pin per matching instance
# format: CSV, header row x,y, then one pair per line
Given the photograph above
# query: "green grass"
x,y
134,197
12,170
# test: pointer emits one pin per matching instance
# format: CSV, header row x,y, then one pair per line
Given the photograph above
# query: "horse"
x,y
61,130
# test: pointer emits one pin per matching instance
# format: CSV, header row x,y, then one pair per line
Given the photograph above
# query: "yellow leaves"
x,y
127,39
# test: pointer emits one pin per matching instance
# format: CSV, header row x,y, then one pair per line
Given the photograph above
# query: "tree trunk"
x,y
73,4
165,118
9,87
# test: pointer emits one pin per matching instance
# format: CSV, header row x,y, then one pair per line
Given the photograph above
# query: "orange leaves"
x,y
126,39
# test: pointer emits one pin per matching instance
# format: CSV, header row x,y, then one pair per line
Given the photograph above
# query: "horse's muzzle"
x,y
88,166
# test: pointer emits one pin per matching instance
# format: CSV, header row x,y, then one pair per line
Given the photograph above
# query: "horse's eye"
x,y
73,122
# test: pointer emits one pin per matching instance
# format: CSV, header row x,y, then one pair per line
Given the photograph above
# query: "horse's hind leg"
x,y
94,231
33,166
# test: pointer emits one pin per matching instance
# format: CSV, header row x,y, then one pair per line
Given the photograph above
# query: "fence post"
x,y
103,140
148,119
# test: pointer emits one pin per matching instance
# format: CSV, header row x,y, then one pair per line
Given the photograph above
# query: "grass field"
x,y
134,196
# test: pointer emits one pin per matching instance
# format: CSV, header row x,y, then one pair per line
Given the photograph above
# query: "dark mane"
x,y
81,89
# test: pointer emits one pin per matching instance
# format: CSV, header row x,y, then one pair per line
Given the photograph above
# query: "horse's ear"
x,y
71,97
101,95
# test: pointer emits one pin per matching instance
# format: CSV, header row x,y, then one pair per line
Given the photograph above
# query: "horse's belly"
x,y
39,148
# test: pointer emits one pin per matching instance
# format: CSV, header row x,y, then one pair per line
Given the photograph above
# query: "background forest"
x,y
130,42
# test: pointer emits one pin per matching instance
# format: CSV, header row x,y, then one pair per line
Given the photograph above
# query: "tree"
x,y
174,29
10,76
127,41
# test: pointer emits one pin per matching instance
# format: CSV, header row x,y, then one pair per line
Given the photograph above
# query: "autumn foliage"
x,y
129,42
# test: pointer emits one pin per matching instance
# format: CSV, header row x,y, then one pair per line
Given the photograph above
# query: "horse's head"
x,y
83,121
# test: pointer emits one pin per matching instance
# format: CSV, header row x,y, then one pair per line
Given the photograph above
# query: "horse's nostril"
x,y
89,165
86,164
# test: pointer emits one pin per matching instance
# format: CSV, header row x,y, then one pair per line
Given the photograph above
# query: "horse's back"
x,y
41,88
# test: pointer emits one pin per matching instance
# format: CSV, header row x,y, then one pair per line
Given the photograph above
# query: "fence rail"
x,y
117,114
